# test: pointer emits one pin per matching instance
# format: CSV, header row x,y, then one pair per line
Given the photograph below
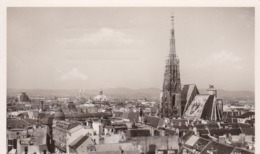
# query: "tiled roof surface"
x,y
201,144
133,116
248,131
242,125
77,142
241,151
187,136
88,115
115,152
170,132
118,114
220,132
20,123
40,136
154,121
218,148
115,147
192,140
137,132
247,114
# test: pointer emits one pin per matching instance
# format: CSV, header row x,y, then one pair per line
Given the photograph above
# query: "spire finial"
x,y
172,18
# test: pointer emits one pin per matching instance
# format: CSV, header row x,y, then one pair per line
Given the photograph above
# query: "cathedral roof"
x,y
23,97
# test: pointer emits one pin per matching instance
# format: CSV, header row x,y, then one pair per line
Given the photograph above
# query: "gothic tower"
x,y
170,102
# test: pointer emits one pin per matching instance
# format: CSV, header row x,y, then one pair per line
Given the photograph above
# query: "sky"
x,y
99,48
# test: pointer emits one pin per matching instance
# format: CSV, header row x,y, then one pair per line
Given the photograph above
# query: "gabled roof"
x,y
115,147
241,151
187,136
88,115
200,107
188,93
182,127
170,132
192,140
218,148
247,114
40,136
220,132
13,151
133,116
66,125
201,144
154,121
23,114
114,152
209,126
47,121
248,131
178,121
75,129
20,123
137,132
242,125
118,114
77,142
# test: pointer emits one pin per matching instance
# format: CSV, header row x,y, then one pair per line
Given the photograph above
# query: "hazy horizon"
x,y
203,88
104,48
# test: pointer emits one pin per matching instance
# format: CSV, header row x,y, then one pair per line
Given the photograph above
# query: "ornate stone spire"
x,y
172,82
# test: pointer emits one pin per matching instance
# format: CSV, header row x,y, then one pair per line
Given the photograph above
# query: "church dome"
x,y
59,115
71,106
100,97
23,97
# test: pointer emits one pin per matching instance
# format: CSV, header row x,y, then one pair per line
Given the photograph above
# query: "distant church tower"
x,y
170,99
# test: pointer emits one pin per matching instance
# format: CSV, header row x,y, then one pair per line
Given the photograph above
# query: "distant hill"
x,y
114,92
152,93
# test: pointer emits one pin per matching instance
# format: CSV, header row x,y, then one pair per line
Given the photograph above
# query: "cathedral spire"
x,y
172,40
170,100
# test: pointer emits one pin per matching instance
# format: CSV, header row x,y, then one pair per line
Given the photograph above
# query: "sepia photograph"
x,y
130,80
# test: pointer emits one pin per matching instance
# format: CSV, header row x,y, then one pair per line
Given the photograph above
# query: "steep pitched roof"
x,y
209,126
187,136
191,141
200,107
220,132
133,116
118,114
77,142
115,147
242,125
137,132
247,114
201,144
188,93
248,131
40,136
66,125
20,123
170,132
218,148
88,115
241,151
154,121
